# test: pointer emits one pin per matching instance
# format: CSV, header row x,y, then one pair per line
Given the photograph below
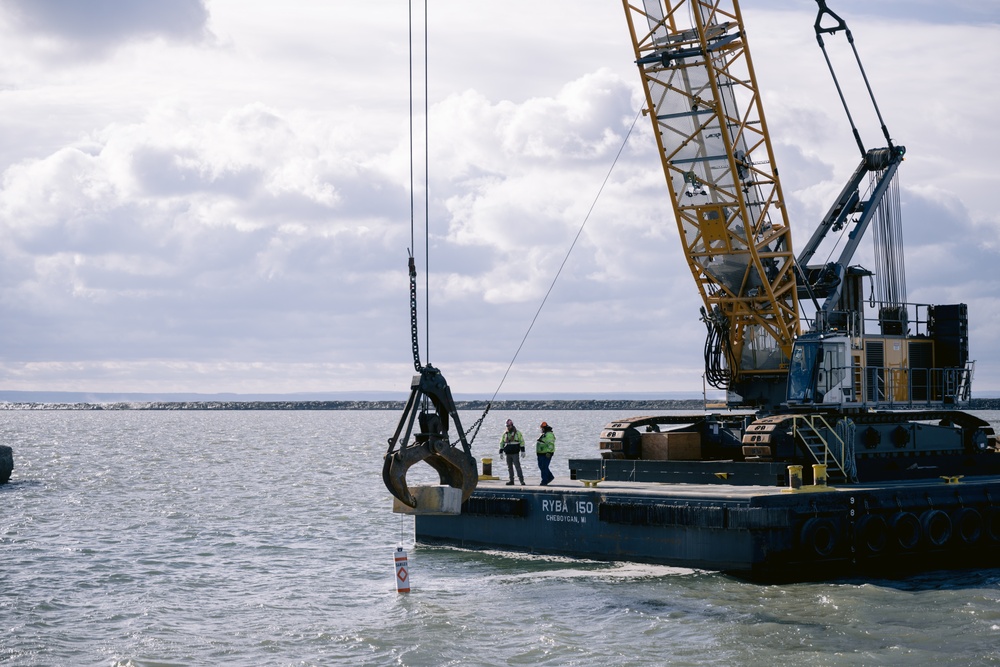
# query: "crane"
x,y
705,105
788,338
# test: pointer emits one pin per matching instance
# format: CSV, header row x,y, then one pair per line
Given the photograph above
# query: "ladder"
x,y
809,430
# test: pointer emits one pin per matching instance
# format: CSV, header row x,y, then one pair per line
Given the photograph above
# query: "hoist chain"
x,y
474,429
414,339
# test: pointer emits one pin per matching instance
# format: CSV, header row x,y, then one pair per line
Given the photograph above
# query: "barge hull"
x,y
758,532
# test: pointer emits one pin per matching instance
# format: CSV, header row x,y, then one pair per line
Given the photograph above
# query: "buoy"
x,y
402,571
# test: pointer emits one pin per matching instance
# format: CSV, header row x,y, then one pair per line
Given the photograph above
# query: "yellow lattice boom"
x,y
702,97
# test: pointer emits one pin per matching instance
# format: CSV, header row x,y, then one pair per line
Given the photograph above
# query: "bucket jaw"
x,y
455,464
454,468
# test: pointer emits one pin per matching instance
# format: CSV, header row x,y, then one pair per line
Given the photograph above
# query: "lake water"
x,y
266,538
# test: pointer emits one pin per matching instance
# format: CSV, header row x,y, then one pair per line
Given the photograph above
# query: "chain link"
x,y
474,429
414,338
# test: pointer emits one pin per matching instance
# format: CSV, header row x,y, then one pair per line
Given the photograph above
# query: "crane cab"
x,y
889,369
820,371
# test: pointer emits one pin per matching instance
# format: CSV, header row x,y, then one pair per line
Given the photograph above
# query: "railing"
x,y
883,386
913,320
910,387
808,430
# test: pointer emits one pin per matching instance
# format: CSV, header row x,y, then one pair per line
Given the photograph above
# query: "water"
x,y
252,538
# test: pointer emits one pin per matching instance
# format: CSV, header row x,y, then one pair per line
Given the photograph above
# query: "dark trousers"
x,y
514,461
543,466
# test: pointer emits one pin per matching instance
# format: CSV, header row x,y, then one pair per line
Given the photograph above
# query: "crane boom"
x,y
704,103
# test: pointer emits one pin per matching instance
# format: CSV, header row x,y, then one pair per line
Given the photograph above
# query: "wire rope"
x,y
572,245
427,196
414,325
475,428
410,45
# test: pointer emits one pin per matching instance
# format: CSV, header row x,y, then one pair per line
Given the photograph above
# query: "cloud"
x,y
91,28
858,12
182,234
523,184
185,216
220,237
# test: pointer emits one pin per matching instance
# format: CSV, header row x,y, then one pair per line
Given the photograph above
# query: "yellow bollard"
x,y
819,474
488,469
794,477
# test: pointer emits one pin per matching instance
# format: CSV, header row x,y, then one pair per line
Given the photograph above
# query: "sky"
x,y
214,195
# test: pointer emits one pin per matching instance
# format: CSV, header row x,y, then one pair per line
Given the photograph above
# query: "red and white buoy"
x,y
402,571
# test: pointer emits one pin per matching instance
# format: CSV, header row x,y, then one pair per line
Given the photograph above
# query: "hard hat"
x,y
543,425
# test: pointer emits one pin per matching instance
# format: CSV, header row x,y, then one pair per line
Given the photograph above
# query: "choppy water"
x,y
266,538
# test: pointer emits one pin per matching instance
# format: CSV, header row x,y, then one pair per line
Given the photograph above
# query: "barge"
x,y
755,532
760,520
845,449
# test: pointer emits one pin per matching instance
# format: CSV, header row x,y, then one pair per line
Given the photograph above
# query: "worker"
x,y
512,445
545,448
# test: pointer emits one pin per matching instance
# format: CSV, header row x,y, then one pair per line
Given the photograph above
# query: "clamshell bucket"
x,y
455,465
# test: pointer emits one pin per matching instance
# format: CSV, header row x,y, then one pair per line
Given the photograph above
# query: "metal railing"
x,y
809,431
884,386
912,387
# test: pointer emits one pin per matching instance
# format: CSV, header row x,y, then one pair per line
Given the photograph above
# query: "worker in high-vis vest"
x,y
512,446
545,447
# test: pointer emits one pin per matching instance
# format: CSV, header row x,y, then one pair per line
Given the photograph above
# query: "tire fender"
x,y
819,537
993,524
872,534
905,529
936,526
968,525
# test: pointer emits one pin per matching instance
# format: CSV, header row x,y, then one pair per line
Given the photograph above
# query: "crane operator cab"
x,y
820,370
885,369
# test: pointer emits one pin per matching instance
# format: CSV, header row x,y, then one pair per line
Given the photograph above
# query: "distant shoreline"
x,y
637,406
526,404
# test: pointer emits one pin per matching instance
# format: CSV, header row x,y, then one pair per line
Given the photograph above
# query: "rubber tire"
x,y
969,527
819,537
936,526
872,534
993,524
906,531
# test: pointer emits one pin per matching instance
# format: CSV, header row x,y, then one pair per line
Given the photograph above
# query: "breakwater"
x,y
631,406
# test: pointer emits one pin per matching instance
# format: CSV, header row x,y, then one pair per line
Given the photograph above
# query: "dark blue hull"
x,y
760,532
